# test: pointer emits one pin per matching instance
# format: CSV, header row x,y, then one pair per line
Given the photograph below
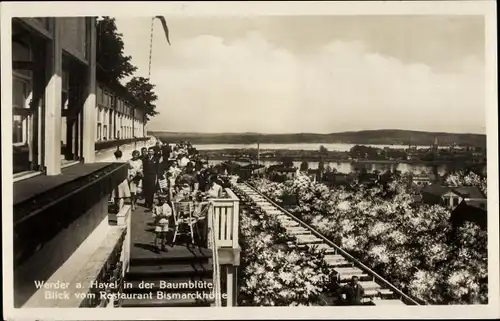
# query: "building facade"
x,y
53,92
117,119
66,115
62,114
60,107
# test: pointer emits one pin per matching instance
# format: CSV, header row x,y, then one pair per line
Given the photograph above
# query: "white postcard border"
x,y
143,8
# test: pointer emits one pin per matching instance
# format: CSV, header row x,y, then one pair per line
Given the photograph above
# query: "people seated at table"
x,y
161,176
187,183
174,169
183,160
214,190
183,192
174,153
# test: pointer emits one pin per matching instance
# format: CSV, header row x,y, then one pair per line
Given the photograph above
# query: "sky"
x,y
316,74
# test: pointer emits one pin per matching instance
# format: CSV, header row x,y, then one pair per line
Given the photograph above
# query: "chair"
x,y
183,218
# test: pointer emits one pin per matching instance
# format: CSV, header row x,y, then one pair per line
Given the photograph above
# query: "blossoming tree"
x,y
407,244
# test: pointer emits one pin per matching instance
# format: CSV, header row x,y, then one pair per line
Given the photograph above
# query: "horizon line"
x,y
313,133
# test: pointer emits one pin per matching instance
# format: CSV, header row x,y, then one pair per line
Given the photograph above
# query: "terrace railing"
x,y
217,282
223,233
224,216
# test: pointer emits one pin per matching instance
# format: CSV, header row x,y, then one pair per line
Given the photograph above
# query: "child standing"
x,y
162,213
122,191
135,173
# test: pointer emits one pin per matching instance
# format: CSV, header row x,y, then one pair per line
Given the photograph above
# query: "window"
x,y
21,52
24,126
65,90
73,35
98,131
21,112
99,95
43,22
110,123
18,130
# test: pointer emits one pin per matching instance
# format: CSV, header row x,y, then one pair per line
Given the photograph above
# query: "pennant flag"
x,y
165,27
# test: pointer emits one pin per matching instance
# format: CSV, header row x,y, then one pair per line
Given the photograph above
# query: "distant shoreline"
x,y
360,162
366,137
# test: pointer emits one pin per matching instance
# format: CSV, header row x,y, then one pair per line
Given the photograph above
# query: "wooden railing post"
x,y
236,222
229,286
209,225
224,219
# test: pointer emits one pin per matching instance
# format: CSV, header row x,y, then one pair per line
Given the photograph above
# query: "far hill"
x,y
382,136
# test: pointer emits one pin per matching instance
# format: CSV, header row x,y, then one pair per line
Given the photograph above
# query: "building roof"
x,y
463,191
472,211
286,169
469,192
435,189
415,188
417,198
252,166
421,177
482,205
243,160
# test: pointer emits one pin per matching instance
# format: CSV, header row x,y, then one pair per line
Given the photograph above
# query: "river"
x,y
342,166
347,167
303,146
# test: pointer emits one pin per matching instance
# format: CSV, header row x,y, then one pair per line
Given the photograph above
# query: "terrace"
x,y
213,259
82,241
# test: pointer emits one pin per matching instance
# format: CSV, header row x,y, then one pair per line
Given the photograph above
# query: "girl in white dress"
x,y
162,214
135,174
122,191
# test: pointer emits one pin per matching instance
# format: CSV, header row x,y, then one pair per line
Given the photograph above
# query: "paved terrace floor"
x,y
143,236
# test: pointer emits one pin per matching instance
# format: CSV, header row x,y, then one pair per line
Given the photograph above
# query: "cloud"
x,y
207,84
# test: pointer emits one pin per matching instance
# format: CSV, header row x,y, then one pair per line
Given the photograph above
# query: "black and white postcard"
x,y
169,160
